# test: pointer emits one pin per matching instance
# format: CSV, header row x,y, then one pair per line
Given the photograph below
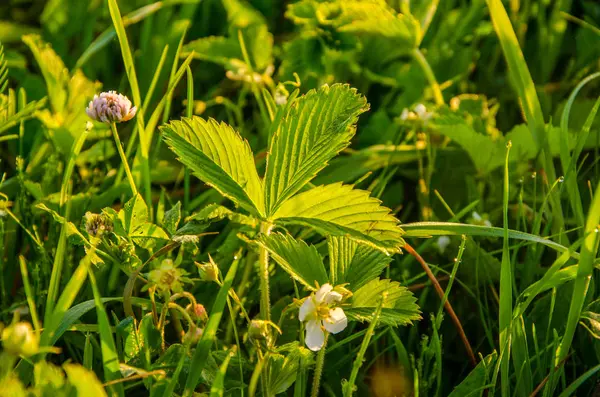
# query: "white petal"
x,y
333,297
322,292
315,337
476,216
307,308
337,321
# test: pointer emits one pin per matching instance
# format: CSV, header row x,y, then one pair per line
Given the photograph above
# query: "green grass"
x,y
436,162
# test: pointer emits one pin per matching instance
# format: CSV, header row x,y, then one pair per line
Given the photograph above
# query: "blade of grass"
x,y
584,274
568,160
110,360
523,84
579,381
29,294
210,331
217,389
506,282
135,92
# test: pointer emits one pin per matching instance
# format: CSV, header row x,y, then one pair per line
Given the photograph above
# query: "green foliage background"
x,y
325,121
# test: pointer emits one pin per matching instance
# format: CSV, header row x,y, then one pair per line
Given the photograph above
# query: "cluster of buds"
x,y
111,107
96,225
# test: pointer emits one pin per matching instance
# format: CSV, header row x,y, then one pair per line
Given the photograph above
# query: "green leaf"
x,y
478,379
215,49
110,360
219,156
148,235
300,260
215,212
172,218
133,214
354,263
284,368
376,17
218,387
400,307
85,382
53,69
340,210
316,127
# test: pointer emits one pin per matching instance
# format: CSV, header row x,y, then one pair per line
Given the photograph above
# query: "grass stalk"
x,y
429,75
115,133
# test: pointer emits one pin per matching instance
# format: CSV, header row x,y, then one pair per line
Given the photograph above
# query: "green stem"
x,y
134,191
319,368
348,388
263,259
422,61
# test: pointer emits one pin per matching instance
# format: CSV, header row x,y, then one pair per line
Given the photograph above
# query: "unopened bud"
x,y
20,339
208,271
259,330
197,312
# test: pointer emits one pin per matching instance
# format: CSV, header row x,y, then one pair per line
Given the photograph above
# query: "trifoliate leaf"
x,y
219,156
317,127
400,306
340,210
354,263
300,260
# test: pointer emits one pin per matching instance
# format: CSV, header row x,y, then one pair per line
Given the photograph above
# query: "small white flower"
x,y
476,217
422,113
111,107
487,223
320,316
442,243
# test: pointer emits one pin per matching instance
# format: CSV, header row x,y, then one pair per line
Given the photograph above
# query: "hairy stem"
x,y
263,259
319,368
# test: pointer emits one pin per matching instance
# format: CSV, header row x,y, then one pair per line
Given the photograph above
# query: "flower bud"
x,y
97,224
111,107
259,330
208,271
197,312
193,336
20,339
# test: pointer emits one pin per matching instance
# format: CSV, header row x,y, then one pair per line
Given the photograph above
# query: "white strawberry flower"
x,y
321,315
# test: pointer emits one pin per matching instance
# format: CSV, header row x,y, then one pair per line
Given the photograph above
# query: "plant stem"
x,y
348,388
134,191
319,368
422,61
447,305
263,259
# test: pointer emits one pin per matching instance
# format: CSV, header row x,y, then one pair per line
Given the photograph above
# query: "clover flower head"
x,y
320,314
111,107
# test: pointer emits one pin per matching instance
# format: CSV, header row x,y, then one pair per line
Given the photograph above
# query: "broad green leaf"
x,y
478,379
300,260
172,218
219,156
53,69
215,212
133,214
148,235
316,127
284,368
376,17
400,307
340,210
354,263
85,381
